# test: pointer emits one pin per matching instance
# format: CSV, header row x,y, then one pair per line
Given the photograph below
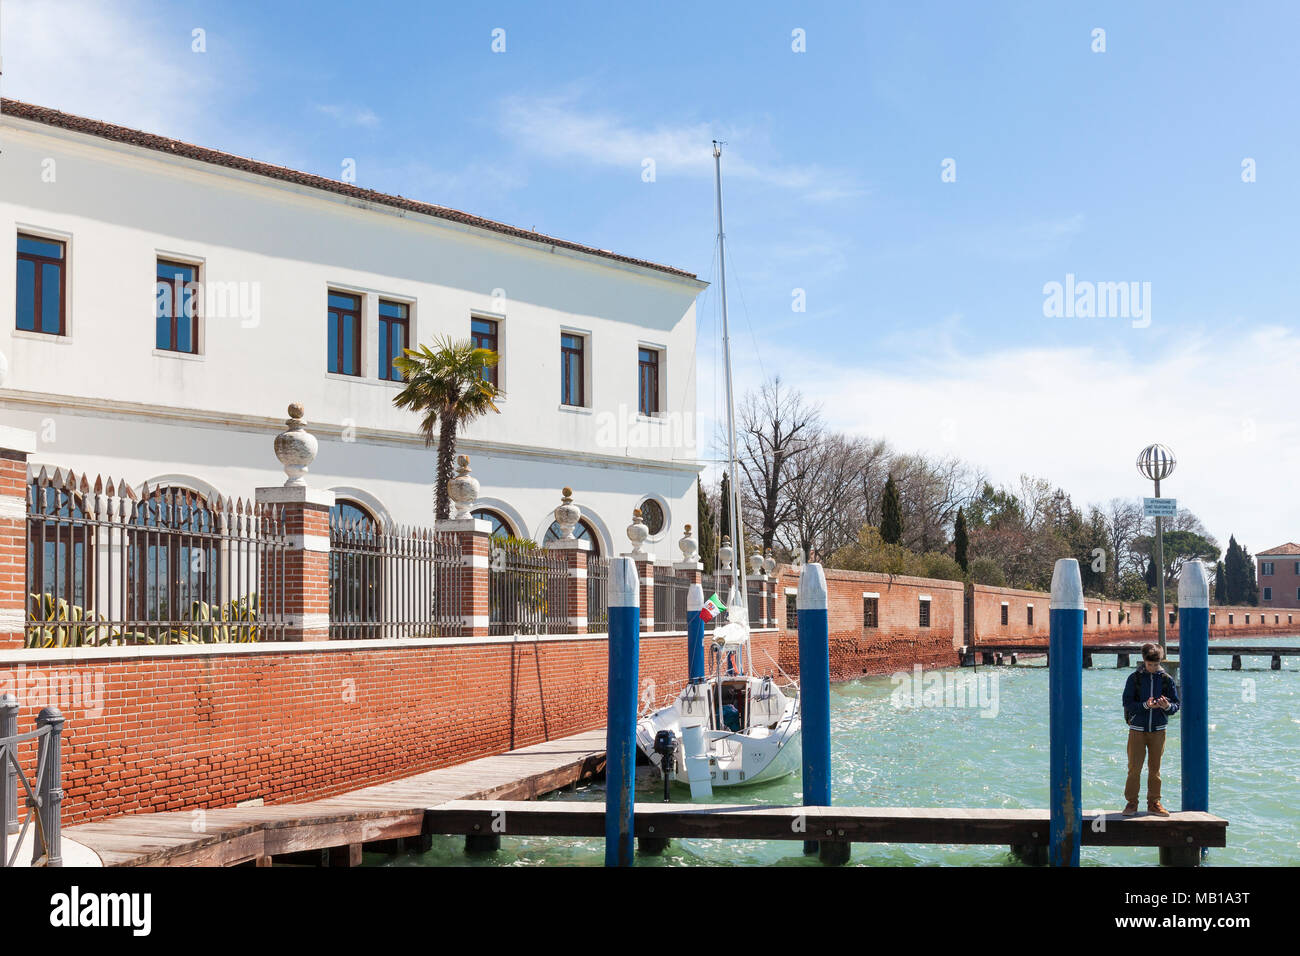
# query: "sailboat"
x,y
731,728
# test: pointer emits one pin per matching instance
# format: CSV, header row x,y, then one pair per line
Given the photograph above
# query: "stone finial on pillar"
x,y
567,514
462,488
756,564
295,447
637,532
726,553
769,563
689,546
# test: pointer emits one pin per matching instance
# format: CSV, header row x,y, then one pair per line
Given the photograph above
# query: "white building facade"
x,y
302,290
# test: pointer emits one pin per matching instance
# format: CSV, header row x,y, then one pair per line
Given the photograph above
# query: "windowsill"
x,y
576,409
354,379
657,418
58,339
186,356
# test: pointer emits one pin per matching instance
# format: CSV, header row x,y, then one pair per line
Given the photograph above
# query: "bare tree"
x,y
1123,524
825,514
775,433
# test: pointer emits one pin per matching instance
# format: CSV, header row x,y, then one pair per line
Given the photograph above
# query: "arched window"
x,y
583,531
501,528
173,556
356,572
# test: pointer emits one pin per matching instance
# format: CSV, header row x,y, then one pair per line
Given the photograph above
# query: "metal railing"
x,y
392,581
670,600
597,595
528,589
107,564
44,792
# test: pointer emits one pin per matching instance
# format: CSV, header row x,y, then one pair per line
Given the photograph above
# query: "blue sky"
x,y
924,318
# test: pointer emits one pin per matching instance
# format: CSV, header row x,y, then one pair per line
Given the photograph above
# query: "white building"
x,y
299,284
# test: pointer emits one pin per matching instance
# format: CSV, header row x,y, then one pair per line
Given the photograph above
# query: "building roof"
x,y
1289,548
135,137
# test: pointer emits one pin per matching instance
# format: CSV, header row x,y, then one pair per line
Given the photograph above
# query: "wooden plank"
x,y
854,824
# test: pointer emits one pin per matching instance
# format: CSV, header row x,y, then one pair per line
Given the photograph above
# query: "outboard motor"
x,y
666,748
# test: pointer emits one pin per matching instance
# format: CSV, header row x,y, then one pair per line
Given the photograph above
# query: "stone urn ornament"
x,y
637,532
726,553
756,564
296,448
769,563
690,547
463,488
567,515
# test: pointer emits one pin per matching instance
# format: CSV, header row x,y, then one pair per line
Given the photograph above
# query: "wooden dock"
x,y
841,824
338,826
1122,652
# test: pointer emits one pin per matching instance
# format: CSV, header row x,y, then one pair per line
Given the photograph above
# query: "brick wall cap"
x,y
464,525
17,439
567,544
295,494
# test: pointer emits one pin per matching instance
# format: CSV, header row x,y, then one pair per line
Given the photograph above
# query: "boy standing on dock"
x,y
1150,696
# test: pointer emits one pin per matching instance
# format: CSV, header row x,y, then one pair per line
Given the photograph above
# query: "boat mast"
x,y
732,505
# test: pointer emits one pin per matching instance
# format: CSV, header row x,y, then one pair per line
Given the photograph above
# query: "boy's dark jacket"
x,y
1138,688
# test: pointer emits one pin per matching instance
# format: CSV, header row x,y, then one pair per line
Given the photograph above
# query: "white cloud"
x,y
349,115
555,127
1079,416
110,61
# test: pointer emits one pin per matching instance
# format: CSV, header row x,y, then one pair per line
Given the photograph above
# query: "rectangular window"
x,y
1146,615
484,333
1266,568
41,285
925,613
791,612
1230,617
648,381
1268,594
177,306
871,612
394,335
1247,618
1297,567
344,333
1029,615
1213,617
1005,609
572,361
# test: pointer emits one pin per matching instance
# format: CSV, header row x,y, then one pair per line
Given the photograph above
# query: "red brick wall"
x,y
898,642
988,629
13,545
174,732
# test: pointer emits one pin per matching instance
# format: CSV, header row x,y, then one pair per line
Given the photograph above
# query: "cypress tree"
x,y
960,542
1219,591
705,535
891,514
1150,575
724,524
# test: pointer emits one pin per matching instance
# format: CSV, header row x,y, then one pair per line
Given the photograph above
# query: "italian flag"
x,y
712,608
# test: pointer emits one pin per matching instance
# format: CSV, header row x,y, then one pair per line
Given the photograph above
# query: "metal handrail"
x,y
44,796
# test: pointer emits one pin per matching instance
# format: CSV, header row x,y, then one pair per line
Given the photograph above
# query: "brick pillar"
x,y
306,602
693,571
574,553
475,538
15,446
645,573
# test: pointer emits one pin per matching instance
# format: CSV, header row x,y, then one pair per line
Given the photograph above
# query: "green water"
x,y
949,756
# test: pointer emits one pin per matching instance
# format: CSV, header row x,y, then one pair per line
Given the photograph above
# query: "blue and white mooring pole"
x,y
1194,680
815,697
620,729
1065,690
694,634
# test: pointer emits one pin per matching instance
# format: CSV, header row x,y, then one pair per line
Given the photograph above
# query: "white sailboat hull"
x,y
768,749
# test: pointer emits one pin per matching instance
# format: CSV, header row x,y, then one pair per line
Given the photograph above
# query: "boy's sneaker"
x,y
1158,809
1130,809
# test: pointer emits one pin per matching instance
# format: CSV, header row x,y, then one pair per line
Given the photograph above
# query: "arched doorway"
x,y
173,561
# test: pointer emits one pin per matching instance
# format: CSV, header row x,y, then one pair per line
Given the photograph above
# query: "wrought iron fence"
x,y
528,589
670,600
392,581
107,564
44,791
597,595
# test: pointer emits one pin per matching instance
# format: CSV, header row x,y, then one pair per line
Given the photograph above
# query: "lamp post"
x,y
1156,462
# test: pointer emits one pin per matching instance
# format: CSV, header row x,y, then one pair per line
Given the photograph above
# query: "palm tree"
x,y
449,385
